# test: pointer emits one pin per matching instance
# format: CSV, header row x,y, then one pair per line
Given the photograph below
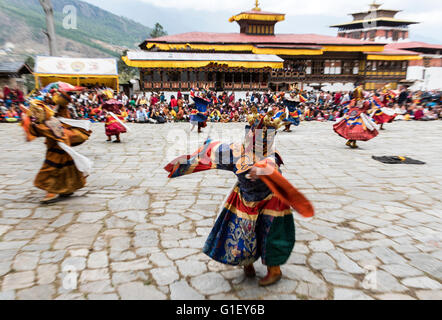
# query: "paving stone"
x,y
350,294
321,245
77,235
181,290
19,235
388,256
77,263
52,256
41,292
70,296
312,290
179,253
321,261
63,220
122,256
422,283
106,296
4,229
354,245
339,278
79,253
16,213
300,273
129,203
122,277
284,286
18,280
98,260
46,213
139,264
146,238
191,267
331,233
7,295
297,259
5,267
210,283
120,243
26,261
385,282
7,245
345,263
429,294
394,296
160,259
101,286
46,274
94,275
139,291
401,270
135,216
425,263
91,217
362,255
165,275
224,297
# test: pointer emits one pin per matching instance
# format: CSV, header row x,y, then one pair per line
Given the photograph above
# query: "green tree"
x,y
125,72
158,31
29,78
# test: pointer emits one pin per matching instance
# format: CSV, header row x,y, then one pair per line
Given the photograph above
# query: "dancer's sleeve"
x,y
283,189
212,155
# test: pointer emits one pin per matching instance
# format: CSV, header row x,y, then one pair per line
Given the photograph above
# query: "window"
x,y
173,76
404,65
318,67
308,68
332,67
156,76
355,66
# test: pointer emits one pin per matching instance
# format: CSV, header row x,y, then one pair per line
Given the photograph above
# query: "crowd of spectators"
x,y
153,107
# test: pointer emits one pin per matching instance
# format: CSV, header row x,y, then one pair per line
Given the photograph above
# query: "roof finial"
x,y
257,8
374,5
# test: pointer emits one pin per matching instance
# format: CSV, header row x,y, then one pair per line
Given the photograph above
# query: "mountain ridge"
x,y
99,33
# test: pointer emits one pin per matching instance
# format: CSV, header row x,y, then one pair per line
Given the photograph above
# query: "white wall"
x,y
432,80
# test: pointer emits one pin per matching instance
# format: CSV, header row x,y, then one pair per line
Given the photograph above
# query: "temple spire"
x,y
374,5
257,8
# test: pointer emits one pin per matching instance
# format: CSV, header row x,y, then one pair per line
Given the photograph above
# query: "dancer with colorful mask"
x,y
356,125
114,125
64,170
256,220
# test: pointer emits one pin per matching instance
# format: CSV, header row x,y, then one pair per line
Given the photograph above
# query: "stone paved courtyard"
x,y
134,234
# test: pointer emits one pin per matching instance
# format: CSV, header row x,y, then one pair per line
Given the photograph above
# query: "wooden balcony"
x,y
186,86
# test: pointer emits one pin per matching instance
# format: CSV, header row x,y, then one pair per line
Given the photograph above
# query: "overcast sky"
x,y
302,16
